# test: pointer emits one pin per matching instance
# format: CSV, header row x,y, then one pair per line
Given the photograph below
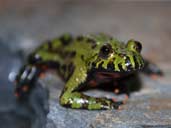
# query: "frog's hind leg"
x,y
71,97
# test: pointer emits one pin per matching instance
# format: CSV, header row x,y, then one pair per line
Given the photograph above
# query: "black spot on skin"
x,y
66,39
70,68
82,57
64,68
89,63
110,66
120,67
93,64
84,105
104,104
67,54
100,65
34,58
94,46
121,55
80,38
93,42
64,90
49,43
72,54
68,104
136,63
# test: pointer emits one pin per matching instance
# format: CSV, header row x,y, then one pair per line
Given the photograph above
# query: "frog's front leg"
x,y
151,69
25,80
72,98
38,63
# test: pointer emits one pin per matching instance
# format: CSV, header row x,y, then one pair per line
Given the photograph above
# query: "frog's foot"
x,y
124,101
80,101
152,70
26,80
155,75
117,104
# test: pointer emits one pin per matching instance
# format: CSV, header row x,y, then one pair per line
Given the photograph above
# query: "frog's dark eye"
x,y
134,45
138,46
105,50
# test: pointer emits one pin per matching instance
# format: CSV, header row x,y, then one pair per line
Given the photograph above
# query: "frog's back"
x,y
67,51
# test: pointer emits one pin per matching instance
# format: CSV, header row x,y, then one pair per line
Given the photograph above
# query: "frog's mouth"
x,y
127,67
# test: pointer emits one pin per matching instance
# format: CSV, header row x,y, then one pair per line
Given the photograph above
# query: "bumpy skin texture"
x,y
84,61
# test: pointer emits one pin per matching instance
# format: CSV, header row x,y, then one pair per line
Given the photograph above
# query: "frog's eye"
x,y
105,50
134,45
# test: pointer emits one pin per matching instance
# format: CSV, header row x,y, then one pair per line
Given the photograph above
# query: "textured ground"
x,y
24,24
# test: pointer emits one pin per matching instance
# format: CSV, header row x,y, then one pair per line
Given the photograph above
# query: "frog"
x,y
85,61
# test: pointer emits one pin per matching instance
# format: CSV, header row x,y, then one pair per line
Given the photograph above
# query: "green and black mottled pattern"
x,y
76,59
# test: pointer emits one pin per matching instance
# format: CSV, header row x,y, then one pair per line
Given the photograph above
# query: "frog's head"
x,y
115,56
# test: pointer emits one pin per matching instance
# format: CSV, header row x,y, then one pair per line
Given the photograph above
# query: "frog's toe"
x,y
22,91
116,105
155,76
160,73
